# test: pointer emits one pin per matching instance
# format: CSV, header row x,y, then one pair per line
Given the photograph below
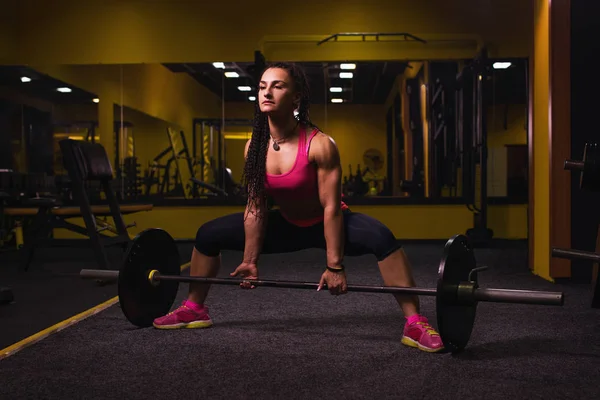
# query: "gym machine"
x,y
471,132
208,146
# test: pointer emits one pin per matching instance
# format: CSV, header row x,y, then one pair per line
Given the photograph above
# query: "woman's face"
x,y
276,92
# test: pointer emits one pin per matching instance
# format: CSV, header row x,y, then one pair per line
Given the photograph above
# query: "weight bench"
x,y
84,161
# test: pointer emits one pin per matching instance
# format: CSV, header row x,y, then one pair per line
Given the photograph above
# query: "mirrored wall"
x,y
418,131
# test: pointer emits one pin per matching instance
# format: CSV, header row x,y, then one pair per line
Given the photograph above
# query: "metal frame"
x,y
406,36
220,124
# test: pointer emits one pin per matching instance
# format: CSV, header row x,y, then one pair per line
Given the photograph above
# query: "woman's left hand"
x,y
335,281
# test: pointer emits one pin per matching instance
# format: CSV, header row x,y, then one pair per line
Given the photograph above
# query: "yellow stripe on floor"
x,y
37,337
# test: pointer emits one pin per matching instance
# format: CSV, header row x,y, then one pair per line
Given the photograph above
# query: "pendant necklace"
x,y
276,142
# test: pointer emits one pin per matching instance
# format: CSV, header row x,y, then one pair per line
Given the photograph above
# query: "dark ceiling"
x,y
41,86
371,82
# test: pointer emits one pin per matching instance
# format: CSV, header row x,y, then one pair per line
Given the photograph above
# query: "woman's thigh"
x,y
228,233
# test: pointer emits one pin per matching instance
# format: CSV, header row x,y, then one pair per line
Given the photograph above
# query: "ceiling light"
x,y
244,88
337,100
252,98
25,79
335,89
232,74
219,65
64,90
346,75
501,65
348,66
96,100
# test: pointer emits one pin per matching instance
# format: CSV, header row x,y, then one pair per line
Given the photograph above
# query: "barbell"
x,y
149,277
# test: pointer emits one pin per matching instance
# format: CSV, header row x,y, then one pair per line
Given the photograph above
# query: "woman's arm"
x,y
329,170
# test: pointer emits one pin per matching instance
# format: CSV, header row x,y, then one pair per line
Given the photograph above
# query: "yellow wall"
x,y
8,31
128,31
406,222
235,157
541,154
516,129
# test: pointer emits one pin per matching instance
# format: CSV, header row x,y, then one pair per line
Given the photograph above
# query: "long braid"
x,y
256,160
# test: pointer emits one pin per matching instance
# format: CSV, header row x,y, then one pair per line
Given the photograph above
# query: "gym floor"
x,y
277,343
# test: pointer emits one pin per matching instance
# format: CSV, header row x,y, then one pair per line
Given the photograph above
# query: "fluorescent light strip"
x,y
501,65
346,75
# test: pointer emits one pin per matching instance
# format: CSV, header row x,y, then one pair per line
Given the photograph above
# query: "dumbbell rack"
x,y
589,180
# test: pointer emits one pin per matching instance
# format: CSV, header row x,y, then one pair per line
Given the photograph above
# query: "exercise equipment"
x,y
209,147
471,130
594,257
571,254
589,167
148,282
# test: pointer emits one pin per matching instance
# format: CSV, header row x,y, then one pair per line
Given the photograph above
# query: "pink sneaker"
x,y
422,336
184,317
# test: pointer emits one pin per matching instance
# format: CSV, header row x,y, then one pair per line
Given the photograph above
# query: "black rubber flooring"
x,y
284,343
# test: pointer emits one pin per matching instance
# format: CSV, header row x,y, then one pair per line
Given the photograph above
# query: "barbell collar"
x,y
99,274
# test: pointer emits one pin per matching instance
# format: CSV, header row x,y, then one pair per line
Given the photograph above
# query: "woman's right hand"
x,y
246,271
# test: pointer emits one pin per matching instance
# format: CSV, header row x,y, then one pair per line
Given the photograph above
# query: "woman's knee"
x,y
220,234
205,243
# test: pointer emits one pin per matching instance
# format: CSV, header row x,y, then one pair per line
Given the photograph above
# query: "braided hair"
x,y
253,177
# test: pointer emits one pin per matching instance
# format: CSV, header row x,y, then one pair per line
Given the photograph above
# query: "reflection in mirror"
x,y
405,129
399,128
347,102
37,111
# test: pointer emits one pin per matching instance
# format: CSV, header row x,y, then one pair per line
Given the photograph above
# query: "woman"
x,y
292,162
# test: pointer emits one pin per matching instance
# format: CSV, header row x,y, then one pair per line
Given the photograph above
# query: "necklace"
x,y
276,142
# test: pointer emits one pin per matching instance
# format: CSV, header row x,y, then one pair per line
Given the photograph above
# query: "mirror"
x,y
407,131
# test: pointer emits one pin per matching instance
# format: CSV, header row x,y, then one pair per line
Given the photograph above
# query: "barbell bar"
x,y
149,277
574,254
477,294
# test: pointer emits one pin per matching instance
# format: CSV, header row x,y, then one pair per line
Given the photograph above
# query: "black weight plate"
x,y
455,320
590,176
140,301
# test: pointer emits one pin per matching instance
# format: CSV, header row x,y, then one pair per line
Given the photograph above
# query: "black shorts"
x,y
363,235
